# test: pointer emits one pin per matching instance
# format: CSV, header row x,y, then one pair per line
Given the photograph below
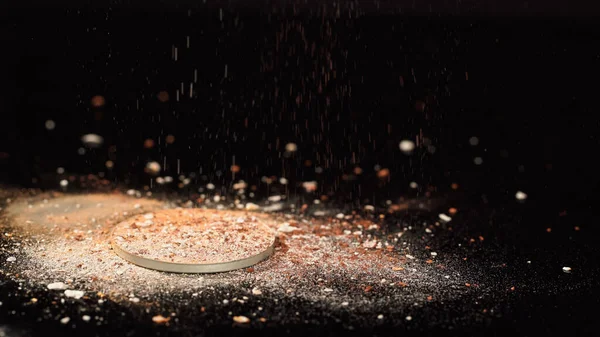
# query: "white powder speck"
x,y
86,318
76,294
65,320
520,196
445,218
406,146
409,318
57,286
380,317
11,259
252,207
567,269
286,228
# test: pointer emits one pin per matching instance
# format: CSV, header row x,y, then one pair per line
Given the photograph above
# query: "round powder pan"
x,y
193,240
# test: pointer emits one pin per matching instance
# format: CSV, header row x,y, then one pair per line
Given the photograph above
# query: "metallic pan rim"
x,y
173,267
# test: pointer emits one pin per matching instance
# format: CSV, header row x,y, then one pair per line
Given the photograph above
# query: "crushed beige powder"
x,y
194,236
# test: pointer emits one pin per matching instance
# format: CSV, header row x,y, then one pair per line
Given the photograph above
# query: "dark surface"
x,y
530,97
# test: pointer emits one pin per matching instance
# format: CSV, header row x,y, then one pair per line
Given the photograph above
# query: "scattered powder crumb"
x,y
252,207
286,228
445,218
86,318
241,319
11,259
57,286
380,317
159,319
76,294
73,244
408,318
65,320
567,269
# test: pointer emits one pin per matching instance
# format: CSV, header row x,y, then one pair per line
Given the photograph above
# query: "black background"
x,y
530,96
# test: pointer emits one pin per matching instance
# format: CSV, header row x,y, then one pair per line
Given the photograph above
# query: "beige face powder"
x,y
193,240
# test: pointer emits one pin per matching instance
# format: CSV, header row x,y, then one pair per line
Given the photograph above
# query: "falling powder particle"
x,y
408,318
310,186
65,320
380,317
11,259
50,125
97,101
86,318
474,141
149,143
407,146
92,140
152,168
163,96
478,161
241,319
520,196
445,218
567,269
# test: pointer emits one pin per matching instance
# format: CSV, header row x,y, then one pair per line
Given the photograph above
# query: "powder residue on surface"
x,y
193,236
